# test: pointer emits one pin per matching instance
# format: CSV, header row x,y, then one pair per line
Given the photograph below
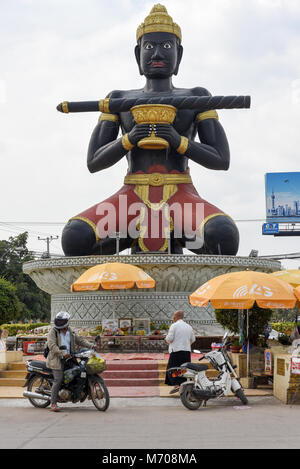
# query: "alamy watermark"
x,y
137,219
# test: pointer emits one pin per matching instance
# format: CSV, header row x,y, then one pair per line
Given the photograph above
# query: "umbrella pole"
x,y
113,304
241,326
248,347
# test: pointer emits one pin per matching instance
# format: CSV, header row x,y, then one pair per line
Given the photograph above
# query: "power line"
x,y
19,229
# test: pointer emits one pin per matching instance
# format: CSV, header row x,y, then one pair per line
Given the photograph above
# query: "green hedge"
x,y
14,329
283,327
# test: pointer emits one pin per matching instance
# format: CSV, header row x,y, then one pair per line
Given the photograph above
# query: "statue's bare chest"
x,y
183,123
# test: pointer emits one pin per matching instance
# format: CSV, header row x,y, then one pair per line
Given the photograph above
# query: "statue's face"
x,y
159,55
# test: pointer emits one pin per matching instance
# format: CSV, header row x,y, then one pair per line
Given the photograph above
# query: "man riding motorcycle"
x,y
61,335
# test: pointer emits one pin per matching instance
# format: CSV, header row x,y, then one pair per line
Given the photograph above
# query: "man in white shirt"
x,y
180,337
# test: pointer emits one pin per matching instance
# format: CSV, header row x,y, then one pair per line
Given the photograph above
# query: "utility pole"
x,y
117,243
48,240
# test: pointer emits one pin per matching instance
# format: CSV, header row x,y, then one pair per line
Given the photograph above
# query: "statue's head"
x,y
158,51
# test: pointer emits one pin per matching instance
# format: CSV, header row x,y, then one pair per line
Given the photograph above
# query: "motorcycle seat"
x,y
40,364
195,367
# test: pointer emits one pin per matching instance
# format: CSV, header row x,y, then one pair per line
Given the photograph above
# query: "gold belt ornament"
x,y
142,183
157,179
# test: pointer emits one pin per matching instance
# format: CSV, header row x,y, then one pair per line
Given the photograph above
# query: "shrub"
x,y
283,327
258,320
14,329
9,303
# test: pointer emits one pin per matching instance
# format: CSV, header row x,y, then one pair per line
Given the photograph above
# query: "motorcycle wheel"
x,y
188,399
34,385
240,394
99,393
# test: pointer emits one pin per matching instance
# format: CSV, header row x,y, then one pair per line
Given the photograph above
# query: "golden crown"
x,y
158,21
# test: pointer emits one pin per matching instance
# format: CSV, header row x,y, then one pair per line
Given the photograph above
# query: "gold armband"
x,y
183,145
104,105
108,117
126,143
207,115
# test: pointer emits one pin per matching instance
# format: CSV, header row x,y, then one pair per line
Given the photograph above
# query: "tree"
x,y
33,302
258,320
9,304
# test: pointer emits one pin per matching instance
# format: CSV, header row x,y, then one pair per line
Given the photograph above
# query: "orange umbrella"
x,y
113,276
292,276
297,292
240,290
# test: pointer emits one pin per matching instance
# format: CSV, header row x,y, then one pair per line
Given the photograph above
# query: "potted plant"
x,y
258,320
235,346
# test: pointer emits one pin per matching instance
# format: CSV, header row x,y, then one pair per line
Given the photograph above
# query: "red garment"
x,y
191,211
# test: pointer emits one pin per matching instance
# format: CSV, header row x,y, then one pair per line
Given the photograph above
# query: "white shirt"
x,y
180,336
66,340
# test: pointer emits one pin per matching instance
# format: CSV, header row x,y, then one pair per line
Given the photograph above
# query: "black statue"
x,y
158,145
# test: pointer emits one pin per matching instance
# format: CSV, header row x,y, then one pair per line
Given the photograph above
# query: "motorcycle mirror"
x,y
225,336
197,351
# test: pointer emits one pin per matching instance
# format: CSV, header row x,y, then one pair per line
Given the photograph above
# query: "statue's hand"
x,y
169,133
139,132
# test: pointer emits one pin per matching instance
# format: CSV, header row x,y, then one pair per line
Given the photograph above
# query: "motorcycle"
x,y
198,388
81,381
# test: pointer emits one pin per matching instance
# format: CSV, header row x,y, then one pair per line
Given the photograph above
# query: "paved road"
x,y
151,423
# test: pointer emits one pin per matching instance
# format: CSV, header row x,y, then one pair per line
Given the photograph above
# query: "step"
x,y
17,366
12,382
132,365
137,374
12,374
119,373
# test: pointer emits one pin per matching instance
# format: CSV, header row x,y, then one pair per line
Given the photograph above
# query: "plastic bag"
x,y
95,364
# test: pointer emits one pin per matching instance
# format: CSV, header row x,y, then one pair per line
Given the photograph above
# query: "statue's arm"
x,y
105,149
213,151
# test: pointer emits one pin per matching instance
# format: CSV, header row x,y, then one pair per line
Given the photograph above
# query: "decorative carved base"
x,y
176,277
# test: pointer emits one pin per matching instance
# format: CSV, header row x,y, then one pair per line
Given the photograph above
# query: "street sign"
x,y
270,228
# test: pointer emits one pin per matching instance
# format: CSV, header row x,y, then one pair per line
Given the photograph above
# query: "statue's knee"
x,y
78,238
221,236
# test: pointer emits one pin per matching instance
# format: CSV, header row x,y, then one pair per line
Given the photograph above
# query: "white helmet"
x,y
62,320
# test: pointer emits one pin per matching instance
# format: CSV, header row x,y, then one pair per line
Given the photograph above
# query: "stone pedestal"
x,y
176,275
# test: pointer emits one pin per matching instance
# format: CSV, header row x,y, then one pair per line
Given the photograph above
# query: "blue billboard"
x,y
282,197
270,228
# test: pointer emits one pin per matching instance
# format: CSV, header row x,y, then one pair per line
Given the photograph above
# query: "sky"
x,y
56,50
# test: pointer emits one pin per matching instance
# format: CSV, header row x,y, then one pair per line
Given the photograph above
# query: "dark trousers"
x,y
175,360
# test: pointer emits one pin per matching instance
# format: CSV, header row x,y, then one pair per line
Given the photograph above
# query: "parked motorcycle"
x,y
198,388
81,381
